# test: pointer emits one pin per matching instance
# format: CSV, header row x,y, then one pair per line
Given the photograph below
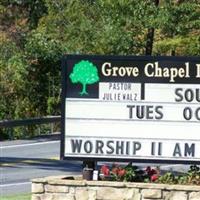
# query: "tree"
x,y
34,34
178,28
85,73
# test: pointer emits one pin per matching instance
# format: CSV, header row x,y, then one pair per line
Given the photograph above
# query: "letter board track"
x,y
131,108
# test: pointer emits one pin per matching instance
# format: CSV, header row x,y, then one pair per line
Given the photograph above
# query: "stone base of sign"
x,y
63,188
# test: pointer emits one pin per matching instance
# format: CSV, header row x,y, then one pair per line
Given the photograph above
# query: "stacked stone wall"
x,y
60,188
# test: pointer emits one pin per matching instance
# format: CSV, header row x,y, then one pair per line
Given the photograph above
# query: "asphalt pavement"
x,y
21,161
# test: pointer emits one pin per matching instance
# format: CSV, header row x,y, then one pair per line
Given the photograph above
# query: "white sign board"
x,y
131,108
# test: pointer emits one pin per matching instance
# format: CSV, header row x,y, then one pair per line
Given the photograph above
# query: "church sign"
x,y
131,108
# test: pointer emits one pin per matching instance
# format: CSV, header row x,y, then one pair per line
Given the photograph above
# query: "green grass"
x,y
16,197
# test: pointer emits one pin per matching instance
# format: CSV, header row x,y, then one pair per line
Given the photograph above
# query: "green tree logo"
x,y
85,73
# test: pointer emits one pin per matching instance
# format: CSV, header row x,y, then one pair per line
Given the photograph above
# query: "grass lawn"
x,y
17,197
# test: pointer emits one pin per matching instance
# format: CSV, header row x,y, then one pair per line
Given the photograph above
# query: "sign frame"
x,y
63,108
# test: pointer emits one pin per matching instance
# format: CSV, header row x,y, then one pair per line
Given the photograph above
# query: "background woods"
x,y
34,34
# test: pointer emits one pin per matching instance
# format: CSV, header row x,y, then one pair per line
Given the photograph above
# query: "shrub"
x,y
131,173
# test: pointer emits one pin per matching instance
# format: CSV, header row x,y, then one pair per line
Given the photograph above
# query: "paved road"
x,y
23,160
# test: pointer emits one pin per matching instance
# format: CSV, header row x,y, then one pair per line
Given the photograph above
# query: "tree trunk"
x,y
149,44
173,53
150,36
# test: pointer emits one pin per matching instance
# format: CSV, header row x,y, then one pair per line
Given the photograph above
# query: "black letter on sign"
x,y
99,146
76,146
120,147
88,146
189,95
136,147
149,111
189,149
127,148
187,113
156,148
197,113
178,94
159,112
130,111
177,150
109,145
